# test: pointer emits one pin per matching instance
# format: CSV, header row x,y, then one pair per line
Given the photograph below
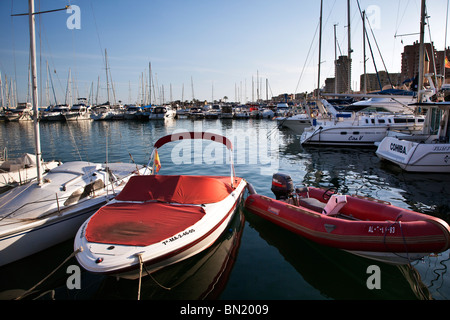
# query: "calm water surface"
x,y
254,259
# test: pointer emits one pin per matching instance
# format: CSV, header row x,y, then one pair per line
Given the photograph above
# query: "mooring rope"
x,y
397,221
50,274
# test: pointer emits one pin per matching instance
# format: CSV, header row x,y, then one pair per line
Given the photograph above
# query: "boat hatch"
x,y
84,192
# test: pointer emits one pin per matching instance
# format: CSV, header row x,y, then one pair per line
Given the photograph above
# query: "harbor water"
x,y
254,259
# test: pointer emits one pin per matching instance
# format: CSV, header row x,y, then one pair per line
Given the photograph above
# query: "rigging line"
x,y
98,35
307,56
432,49
371,52
13,43
27,14
381,56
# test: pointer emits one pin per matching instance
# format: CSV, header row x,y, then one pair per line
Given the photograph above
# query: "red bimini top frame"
x,y
195,135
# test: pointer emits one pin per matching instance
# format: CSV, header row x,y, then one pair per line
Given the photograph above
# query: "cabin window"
x,y
381,121
355,132
343,132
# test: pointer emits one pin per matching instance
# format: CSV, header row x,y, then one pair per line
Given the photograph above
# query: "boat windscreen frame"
x,y
194,135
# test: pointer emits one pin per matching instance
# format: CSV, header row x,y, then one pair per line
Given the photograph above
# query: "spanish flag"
x,y
447,64
156,162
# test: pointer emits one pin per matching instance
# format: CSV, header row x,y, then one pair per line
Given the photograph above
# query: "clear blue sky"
x,y
220,45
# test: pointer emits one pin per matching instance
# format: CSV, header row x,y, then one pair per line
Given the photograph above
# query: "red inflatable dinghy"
x,y
367,227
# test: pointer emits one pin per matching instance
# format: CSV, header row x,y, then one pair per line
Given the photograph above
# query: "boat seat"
x,y
334,204
312,204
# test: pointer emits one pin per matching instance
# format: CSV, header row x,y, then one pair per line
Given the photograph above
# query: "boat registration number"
x,y
381,229
178,236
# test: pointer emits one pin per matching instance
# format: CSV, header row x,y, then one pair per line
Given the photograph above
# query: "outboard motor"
x,y
282,186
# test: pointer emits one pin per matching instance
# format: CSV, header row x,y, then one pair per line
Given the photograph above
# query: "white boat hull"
x,y
123,261
298,125
30,238
343,136
34,218
415,157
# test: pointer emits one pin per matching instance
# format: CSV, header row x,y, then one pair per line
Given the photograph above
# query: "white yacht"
x,y
23,112
79,111
162,112
358,129
426,151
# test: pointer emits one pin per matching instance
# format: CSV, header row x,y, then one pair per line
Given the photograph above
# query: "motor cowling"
x,y
282,185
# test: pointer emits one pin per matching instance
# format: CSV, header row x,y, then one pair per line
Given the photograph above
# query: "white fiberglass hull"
x,y
30,237
415,157
34,218
343,135
123,261
297,125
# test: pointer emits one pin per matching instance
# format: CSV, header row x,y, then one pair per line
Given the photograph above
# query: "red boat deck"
x,y
154,218
178,189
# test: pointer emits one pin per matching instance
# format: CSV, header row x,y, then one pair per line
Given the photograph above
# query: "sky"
x,y
203,49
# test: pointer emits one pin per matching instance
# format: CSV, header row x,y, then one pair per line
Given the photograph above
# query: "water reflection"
x,y
203,276
306,271
337,274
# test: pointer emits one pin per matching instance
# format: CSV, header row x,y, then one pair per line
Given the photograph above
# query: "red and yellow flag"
x,y
156,162
447,63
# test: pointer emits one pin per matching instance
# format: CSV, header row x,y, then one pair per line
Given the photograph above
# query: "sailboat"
x,y
429,150
359,128
21,170
48,211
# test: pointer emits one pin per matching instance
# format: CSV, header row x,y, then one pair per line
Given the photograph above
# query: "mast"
x,y
320,48
421,52
349,86
445,44
34,90
1,93
150,82
364,50
335,59
107,80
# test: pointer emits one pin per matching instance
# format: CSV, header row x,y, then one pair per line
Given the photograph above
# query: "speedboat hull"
x,y
152,234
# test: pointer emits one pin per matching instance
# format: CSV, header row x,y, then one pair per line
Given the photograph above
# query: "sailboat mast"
x,y
34,90
364,50
421,52
150,83
320,48
107,80
335,58
349,36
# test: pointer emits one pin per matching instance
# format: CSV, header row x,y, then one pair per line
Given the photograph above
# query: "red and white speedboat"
x,y
367,227
158,220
